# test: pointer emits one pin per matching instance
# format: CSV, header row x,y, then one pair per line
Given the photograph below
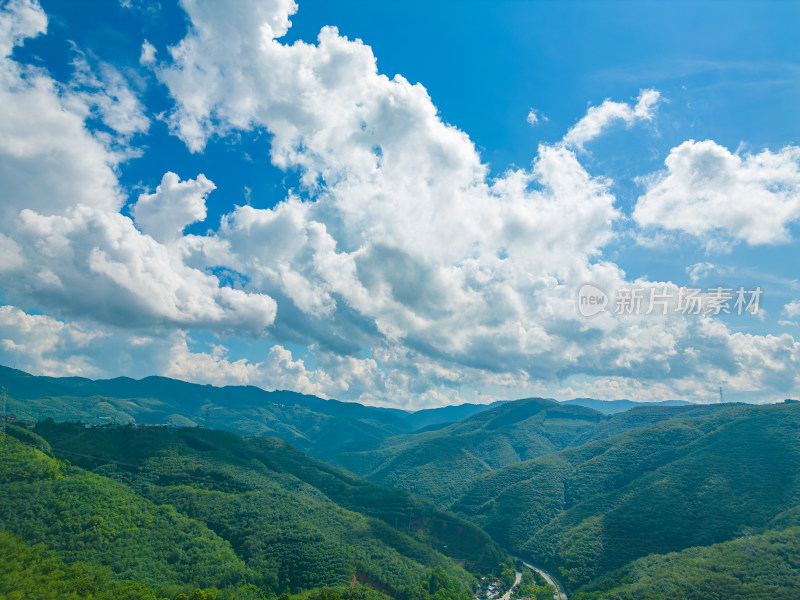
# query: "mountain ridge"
x,y
695,481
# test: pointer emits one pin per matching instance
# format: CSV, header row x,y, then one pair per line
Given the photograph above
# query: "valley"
x,y
629,504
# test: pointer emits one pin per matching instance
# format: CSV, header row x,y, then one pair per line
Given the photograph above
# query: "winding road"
x,y
517,579
557,595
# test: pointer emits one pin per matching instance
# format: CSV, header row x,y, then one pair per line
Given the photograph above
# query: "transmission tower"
x,y
721,399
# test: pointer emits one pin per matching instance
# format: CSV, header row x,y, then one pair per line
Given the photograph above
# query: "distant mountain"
x,y
610,407
175,509
314,425
432,417
590,510
645,414
439,464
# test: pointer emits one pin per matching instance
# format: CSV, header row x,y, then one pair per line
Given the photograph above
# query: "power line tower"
x,y
721,399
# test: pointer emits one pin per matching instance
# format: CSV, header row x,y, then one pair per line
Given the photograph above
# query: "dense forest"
x,y
178,510
316,426
681,502
587,511
440,463
753,567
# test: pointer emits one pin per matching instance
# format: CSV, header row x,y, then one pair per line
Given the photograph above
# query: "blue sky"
x,y
217,194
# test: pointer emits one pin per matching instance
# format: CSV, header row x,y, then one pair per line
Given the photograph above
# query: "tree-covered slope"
x,y
587,511
441,464
86,517
610,407
643,415
314,425
179,509
753,567
38,573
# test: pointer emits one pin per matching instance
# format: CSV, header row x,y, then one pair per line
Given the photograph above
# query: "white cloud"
x,y
699,270
68,247
279,370
792,309
409,249
534,117
601,117
20,20
48,159
113,273
754,363
718,197
11,258
147,56
409,273
110,96
397,239
44,345
174,205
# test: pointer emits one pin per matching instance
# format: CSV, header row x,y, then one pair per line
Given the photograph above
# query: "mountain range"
x,y
168,487
175,510
322,428
681,483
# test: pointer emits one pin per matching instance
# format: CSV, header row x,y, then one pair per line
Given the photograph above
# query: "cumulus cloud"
x,y
147,56
720,197
754,362
409,248
599,118
20,20
49,161
44,345
405,269
175,204
69,248
277,371
408,241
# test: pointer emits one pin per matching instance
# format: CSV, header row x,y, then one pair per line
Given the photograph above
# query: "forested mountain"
x,y
682,502
314,425
175,510
752,567
440,464
435,417
321,428
587,511
611,407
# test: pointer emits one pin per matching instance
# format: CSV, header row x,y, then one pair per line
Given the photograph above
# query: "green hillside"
x,y
654,502
442,462
644,415
586,511
312,424
319,427
36,572
176,510
754,567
